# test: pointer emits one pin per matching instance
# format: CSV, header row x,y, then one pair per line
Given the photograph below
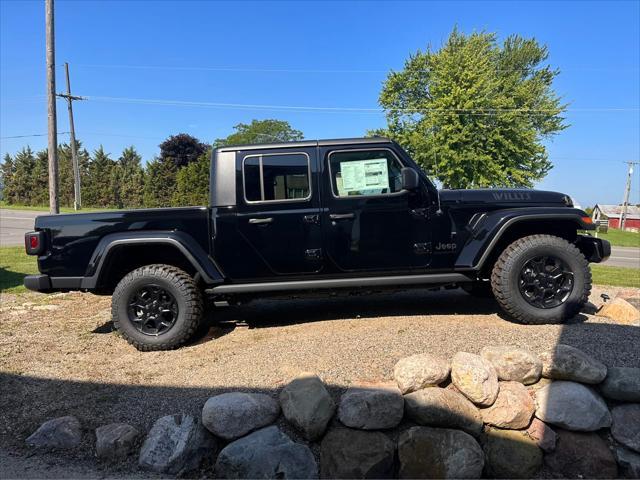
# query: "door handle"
x,y
261,221
313,219
341,216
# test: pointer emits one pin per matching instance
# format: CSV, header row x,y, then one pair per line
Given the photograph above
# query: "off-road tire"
x,y
506,275
186,293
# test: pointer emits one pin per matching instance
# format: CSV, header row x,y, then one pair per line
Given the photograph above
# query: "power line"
x,y
306,70
479,111
32,135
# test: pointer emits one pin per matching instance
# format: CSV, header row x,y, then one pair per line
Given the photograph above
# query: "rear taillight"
x,y
34,242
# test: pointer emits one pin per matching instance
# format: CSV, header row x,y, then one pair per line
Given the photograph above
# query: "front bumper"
x,y
595,250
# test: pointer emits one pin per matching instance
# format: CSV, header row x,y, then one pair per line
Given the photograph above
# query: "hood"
x,y
504,197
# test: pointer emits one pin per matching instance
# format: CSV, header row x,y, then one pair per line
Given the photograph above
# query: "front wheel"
x,y
157,307
541,279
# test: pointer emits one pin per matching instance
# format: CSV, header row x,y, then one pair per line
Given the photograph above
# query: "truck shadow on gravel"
x,y
411,303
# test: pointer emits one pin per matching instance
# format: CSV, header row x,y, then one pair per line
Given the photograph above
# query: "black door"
x,y
370,223
278,215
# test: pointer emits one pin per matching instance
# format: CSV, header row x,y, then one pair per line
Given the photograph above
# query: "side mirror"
x,y
410,179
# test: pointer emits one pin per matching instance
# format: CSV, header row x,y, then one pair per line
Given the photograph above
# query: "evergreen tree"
x,y
7,170
128,179
40,179
98,191
23,179
159,183
475,113
192,183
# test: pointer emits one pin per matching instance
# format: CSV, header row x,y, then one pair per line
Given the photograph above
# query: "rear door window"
x,y
277,177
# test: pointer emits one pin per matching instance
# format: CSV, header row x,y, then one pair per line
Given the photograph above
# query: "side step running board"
x,y
433,278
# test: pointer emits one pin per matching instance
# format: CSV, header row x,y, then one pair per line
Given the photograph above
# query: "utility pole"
x,y
77,203
51,109
627,190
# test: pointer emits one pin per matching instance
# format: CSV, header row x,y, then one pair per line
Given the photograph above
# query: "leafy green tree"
x,y
261,131
182,149
192,183
128,179
475,112
98,189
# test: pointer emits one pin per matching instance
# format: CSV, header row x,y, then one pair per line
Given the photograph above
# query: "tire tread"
x,y
504,292
184,283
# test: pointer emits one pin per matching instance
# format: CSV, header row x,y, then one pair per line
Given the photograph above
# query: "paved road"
x,y
624,257
14,224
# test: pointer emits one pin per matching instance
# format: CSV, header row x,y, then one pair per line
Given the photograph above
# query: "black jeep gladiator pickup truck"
x,y
318,216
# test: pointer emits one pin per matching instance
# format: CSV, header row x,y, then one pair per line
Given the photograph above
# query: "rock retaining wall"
x,y
506,413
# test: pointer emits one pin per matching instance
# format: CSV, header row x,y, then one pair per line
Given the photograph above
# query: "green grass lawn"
x,y
45,208
14,266
618,276
621,238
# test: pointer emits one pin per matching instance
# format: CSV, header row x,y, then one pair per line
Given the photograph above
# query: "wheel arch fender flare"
x,y
490,228
183,242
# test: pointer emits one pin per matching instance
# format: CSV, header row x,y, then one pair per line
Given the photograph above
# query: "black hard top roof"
x,y
307,143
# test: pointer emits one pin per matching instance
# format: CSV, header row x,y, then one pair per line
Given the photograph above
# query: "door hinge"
x,y
313,254
422,248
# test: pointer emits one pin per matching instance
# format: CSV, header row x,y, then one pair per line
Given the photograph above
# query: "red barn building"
x,y
612,213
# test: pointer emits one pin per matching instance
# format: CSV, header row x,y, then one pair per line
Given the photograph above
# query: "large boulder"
x,y
115,440
513,407
347,453
514,364
626,425
511,454
565,362
475,377
371,407
542,434
572,406
61,432
266,453
581,455
176,444
441,407
620,311
420,371
233,415
622,384
438,453
628,462
307,405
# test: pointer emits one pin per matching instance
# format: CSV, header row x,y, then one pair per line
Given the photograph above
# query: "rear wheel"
x,y
157,307
541,279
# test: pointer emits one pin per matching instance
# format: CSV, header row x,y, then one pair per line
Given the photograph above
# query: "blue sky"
x,y
333,54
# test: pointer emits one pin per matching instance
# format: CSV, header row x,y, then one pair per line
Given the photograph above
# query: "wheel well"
x,y
123,259
566,229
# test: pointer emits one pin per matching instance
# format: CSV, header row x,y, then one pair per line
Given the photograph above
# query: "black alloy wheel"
x,y
153,310
546,281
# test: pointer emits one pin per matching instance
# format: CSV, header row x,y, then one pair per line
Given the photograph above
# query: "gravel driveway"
x,y
59,355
